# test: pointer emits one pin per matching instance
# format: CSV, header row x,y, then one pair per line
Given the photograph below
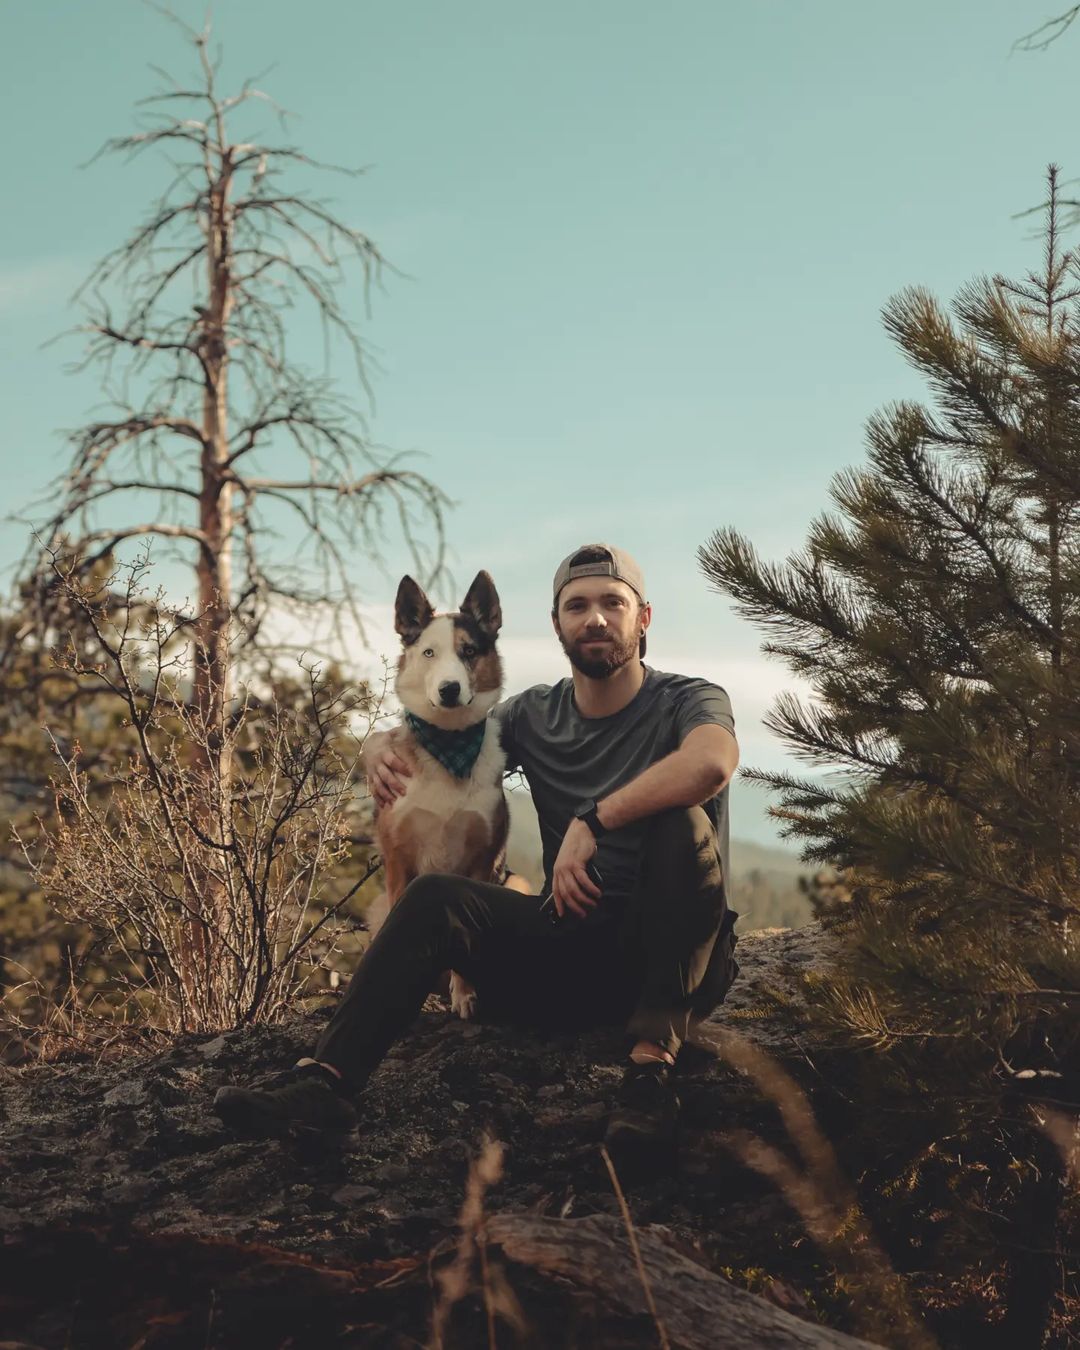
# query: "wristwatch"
x,y
587,812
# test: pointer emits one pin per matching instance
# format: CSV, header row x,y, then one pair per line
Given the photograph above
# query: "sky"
x,y
641,256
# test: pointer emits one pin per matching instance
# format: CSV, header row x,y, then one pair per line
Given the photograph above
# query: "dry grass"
x,y
41,1025
819,1192
459,1277
624,1210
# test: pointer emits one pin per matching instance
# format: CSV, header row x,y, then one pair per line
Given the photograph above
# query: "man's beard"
x,y
608,659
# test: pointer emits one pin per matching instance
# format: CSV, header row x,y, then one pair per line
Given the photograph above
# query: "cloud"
x,y
39,282
752,682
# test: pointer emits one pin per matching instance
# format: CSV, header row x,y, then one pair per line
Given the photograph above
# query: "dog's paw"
x,y
463,997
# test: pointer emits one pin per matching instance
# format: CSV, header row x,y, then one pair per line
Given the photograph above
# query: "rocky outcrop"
x,y
129,1211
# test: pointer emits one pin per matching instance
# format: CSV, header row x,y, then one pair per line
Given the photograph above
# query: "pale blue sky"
x,y
646,247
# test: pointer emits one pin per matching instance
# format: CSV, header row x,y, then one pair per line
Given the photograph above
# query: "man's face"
x,y
599,622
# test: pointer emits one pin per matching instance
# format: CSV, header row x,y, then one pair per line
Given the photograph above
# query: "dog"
x,y
452,816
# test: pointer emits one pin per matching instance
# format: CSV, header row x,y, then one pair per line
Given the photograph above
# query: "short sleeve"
x,y
702,704
505,715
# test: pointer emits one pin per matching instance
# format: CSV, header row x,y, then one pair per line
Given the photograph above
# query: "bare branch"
x,y
341,489
1052,28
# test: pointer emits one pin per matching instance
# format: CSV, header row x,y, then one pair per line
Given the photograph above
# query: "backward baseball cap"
x,y
617,564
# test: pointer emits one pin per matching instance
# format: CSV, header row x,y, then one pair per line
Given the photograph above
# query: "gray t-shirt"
x,y
567,758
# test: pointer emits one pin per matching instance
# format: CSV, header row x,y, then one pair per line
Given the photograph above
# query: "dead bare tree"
x,y
208,410
187,321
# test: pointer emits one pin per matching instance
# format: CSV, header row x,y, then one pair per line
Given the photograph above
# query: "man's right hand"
x,y
387,768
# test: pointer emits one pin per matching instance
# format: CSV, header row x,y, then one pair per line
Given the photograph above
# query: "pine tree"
x,y
935,615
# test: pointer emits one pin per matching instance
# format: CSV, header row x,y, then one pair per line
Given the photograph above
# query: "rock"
x,y
592,1112
128,1151
439,1214
698,1309
128,1192
453,1149
784,1296
130,1093
348,1196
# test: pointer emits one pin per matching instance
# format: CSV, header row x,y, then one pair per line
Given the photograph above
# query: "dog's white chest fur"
x,y
448,811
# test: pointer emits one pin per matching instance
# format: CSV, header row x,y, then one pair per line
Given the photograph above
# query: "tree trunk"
x,y
214,572
215,498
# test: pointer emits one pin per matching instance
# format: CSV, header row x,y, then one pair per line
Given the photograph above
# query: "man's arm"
x,y
702,765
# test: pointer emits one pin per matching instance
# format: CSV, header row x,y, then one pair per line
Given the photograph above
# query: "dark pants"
x,y
660,959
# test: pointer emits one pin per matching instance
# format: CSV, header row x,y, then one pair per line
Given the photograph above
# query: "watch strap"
x,y
591,818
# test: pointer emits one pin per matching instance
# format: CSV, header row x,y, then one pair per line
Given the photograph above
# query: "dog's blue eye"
x,y
428,651
468,652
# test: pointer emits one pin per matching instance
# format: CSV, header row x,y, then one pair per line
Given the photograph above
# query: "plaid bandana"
x,y
456,751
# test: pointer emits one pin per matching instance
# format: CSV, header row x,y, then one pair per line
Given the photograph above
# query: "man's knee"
x,y
681,826
428,898
680,847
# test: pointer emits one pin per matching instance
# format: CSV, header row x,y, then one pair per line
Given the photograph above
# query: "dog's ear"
x,y
412,611
482,605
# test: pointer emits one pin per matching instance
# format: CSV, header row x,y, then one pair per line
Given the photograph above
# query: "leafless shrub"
x,y
210,892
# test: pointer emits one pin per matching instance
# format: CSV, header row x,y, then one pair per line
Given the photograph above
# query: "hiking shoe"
x,y
642,1129
306,1100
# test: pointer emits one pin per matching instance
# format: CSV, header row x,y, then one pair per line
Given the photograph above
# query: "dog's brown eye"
x,y
428,651
468,652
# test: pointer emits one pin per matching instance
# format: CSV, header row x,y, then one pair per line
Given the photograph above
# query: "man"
x,y
629,770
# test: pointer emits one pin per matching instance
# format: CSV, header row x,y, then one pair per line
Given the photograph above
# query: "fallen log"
x,y
698,1309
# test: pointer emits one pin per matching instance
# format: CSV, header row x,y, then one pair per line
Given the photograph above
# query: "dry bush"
x,y
210,874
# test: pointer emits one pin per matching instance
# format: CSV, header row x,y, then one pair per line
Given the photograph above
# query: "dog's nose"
x,y
448,693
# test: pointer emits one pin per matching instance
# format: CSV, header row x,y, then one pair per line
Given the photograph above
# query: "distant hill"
x,y
765,882
765,887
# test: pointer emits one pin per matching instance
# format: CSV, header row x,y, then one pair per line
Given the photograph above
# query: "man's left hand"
x,y
573,888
